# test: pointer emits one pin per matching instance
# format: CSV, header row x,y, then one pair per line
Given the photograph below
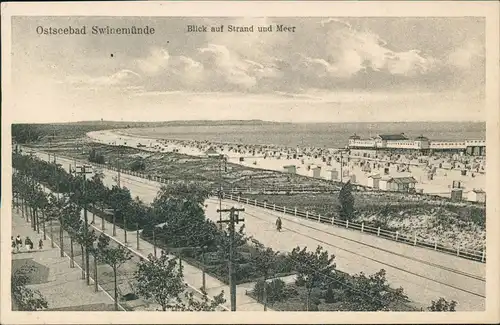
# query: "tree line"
x,y
42,208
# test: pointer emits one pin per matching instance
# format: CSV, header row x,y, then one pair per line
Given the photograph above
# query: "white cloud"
x,y
409,63
120,78
227,66
250,62
156,61
351,51
465,57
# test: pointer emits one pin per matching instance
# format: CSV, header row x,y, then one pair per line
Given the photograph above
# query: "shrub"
x,y
138,165
275,290
346,199
442,305
329,296
96,157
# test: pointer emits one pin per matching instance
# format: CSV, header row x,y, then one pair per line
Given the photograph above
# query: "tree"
x,y
24,133
205,304
138,212
313,268
114,257
180,208
26,299
119,200
270,291
372,293
346,199
264,259
97,192
51,212
79,231
184,191
159,279
442,305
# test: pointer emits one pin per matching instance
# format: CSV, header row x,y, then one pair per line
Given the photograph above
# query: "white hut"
x,y
352,178
333,174
477,195
400,184
373,181
316,172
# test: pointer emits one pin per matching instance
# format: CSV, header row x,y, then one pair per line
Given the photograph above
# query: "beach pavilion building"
x,y
401,143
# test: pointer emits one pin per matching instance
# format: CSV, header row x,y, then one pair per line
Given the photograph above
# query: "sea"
x,y
327,135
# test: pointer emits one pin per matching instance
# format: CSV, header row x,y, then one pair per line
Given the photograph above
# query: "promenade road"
x,y
424,274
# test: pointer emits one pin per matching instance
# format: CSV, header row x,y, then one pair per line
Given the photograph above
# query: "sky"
x,y
328,70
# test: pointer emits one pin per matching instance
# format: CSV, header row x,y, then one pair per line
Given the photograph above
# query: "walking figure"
x,y
40,244
278,224
19,242
13,243
28,243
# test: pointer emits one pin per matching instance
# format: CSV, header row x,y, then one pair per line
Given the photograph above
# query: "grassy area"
x,y
177,166
450,223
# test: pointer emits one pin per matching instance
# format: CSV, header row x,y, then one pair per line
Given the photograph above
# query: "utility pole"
x,y
221,160
154,241
84,170
118,178
220,192
137,233
233,218
342,163
341,168
55,176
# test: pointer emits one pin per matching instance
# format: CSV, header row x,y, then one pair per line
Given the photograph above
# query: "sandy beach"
x,y
358,165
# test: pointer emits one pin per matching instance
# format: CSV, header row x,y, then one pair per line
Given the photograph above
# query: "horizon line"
x,y
251,120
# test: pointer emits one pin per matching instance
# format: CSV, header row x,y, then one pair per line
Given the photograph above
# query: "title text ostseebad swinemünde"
x,y
95,30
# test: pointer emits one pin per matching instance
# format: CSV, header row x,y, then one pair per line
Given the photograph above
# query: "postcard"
x,y
250,162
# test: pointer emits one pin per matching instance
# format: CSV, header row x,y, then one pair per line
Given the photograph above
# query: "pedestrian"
x,y
13,243
27,243
19,242
278,224
40,244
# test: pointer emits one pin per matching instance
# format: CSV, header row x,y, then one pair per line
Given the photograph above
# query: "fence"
x,y
413,240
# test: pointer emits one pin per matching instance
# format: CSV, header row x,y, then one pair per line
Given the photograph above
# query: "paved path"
x,y
424,274
62,287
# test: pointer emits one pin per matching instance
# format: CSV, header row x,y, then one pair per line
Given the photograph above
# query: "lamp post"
x,y
342,151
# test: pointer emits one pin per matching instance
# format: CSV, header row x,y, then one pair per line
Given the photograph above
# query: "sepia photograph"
x,y
249,161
